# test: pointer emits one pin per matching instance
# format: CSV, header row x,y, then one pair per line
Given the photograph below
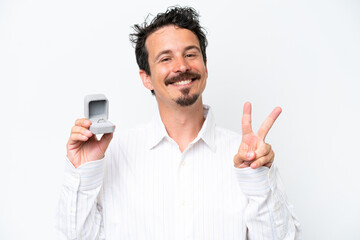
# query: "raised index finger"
x,y
269,121
246,119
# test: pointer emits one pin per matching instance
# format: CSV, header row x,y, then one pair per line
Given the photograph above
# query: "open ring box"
x,y
97,111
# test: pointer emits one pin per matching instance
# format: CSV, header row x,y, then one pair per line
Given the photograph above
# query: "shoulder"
x,y
135,134
227,133
227,137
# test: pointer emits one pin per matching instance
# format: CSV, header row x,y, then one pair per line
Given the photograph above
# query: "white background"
x,y
300,55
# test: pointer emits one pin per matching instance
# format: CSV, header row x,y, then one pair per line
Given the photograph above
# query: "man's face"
x,y
178,73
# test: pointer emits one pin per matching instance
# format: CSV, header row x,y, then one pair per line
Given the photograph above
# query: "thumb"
x,y
244,155
105,140
250,155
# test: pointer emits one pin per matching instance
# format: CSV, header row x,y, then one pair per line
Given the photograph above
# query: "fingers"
x,y
240,162
269,121
244,158
246,119
246,154
262,150
264,160
80,132
263,156
83,122
75,137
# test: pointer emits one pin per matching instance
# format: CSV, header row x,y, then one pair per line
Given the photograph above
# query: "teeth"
x,y
183,82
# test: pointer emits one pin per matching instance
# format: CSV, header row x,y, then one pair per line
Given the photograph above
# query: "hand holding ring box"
x,y
97,111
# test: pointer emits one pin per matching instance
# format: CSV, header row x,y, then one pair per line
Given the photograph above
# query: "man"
x,y
177,177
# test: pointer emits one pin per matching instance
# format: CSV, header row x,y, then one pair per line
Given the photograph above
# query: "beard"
x,y
185,99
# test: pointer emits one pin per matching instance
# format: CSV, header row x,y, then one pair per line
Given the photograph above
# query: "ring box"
x,y
97,111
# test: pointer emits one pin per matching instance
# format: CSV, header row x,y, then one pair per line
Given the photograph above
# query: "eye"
x,y
165,59
191,55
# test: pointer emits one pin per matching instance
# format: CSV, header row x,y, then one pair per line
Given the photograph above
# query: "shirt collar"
x,y
207,131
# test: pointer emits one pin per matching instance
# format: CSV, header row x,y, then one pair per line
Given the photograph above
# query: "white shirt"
x,y
145,188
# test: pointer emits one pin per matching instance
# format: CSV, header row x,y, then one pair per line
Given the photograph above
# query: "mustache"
x,y
182,76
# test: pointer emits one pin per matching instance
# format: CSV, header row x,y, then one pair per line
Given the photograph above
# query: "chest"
x,y
159,195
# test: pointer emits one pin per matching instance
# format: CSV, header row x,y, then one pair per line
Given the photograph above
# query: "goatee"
x,y
186,99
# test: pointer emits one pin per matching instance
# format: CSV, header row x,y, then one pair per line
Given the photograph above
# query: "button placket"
x,y
186,194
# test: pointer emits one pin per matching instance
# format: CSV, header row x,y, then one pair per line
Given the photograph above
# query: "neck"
x,y
182,123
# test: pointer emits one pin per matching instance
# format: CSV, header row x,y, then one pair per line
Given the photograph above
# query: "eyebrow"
x,y
169,51
162,53
192,47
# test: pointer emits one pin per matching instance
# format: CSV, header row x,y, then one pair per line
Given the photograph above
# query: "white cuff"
x,y
253,182
86,177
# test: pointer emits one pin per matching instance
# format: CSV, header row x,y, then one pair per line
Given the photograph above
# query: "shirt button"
x,y
183,163
276,207
75,176
183,203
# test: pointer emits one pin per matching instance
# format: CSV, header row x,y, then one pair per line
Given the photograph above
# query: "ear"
x,y
146,80
206,70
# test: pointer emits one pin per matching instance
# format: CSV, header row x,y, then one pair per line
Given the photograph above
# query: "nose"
x,y
181,65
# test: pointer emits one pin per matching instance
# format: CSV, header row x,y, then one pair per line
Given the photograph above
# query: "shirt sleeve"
x,y
79,214
269,215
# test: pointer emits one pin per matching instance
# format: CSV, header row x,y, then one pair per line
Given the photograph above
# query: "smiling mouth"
x,y
182,82
183,79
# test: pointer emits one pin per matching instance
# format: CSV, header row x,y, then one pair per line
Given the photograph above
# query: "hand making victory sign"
x,y
253,150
